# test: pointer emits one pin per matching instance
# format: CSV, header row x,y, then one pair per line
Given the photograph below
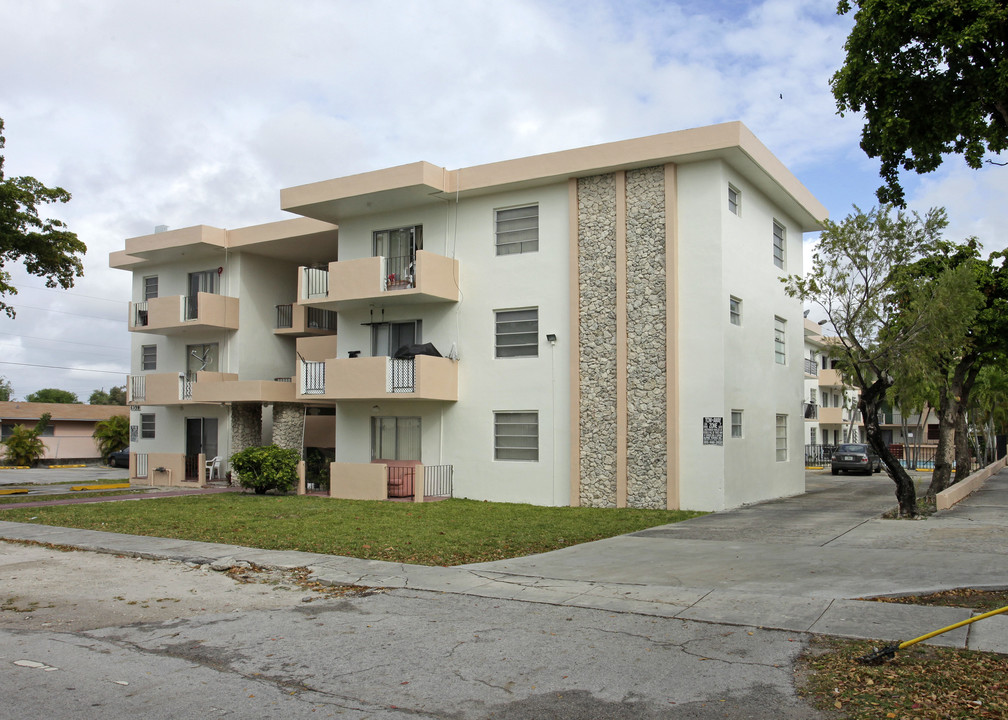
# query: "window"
x,y
736,423
734,200
778,245
147,425
811,436
395,438
388,337
516,436
517,230
148,357
780,341
825,399
201,358
150,287
516,333
204,281
781,438
735,310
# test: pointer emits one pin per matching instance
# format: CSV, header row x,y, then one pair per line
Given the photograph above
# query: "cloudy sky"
x,y
188,112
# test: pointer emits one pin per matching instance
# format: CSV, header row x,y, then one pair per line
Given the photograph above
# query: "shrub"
x,y
268,467
112,435
24,447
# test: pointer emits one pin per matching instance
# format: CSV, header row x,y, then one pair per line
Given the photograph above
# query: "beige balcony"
x,y
182,314
228,389
171,388
303,321
389,281
380,378
831,416
830,378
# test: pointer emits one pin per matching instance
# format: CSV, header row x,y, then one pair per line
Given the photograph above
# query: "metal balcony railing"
x,y
811,367
438,480
399,273
315,283
312,378
137,388
186,381
400,375
284,317
140,314
190,307
319,319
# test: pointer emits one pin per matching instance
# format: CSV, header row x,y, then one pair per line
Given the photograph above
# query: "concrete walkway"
x,y
798,564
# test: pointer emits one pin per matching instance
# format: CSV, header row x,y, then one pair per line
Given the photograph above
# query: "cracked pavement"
x,y
257,651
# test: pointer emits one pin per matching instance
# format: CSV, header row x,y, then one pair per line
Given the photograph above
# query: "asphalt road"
x,y
87,635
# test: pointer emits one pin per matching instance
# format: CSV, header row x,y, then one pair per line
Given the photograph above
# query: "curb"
x,y
107,486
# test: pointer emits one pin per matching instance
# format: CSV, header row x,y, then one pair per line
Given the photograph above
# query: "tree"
x,y
45,247
112,435
853,281
266,467
930,78
24,446
951,368
52,395
6,389
115,396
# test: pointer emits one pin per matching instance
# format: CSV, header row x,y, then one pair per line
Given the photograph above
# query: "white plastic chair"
x,y
213,468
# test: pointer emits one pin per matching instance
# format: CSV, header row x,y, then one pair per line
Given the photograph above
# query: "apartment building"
x,y
603,326
831,411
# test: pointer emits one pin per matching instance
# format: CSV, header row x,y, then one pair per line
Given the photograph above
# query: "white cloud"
x,y
194,112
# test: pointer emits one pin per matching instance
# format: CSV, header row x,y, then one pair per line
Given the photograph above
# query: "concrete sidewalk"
x,y
797,564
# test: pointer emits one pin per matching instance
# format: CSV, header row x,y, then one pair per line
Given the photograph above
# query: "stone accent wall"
x,y
646,336
246,426
597,338
288,425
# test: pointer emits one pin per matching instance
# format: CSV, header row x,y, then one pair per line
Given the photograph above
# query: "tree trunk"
x,y
869,403
963,456
963,380
941,478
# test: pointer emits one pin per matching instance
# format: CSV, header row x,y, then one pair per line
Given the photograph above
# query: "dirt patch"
x,y
40,588
983,600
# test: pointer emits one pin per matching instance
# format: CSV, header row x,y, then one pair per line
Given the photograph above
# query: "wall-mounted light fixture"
x,y
551,338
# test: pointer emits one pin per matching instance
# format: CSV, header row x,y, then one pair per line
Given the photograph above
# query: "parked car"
x,y
120,458
855,457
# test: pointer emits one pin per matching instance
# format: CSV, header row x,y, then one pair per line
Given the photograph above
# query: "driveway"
x,y
828,543
46,476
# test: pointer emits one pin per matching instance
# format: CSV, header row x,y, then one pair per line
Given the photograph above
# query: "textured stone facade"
x,y
645,342
246,426
288,425
646,338
597,338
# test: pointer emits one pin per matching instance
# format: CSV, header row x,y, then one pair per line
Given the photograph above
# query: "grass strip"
x,y
922,682
449,532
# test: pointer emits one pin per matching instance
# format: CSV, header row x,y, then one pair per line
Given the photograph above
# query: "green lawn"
x,y
449,532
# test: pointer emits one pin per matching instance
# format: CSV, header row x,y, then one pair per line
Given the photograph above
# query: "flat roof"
x,y
421,182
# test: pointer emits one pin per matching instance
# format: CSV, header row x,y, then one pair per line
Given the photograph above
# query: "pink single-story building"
x,y
69,435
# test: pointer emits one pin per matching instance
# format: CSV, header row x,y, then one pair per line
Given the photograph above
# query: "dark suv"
x,y
855,457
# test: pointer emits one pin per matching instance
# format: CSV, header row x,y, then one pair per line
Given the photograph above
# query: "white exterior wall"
x,y
256,353
486,384
724,367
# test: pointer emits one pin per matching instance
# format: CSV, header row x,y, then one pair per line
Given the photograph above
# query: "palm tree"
x,y
112,435
24,446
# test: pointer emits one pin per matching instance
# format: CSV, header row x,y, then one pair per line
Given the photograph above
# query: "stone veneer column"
x,y
622,383
246,426
288,425
646,338
597,339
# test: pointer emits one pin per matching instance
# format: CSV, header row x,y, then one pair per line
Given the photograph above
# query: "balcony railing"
x,y
312,377
186,381
190,307
811,367
137,389
284,317
398,273
140,314
438,480
810,410
315,283
319,319
400,375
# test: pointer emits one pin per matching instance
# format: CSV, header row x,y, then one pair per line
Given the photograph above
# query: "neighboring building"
x,y
612,321
831,406
69,434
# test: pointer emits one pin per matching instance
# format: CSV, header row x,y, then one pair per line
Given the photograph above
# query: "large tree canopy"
x,y
884,328
52,395
931,77
45,247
